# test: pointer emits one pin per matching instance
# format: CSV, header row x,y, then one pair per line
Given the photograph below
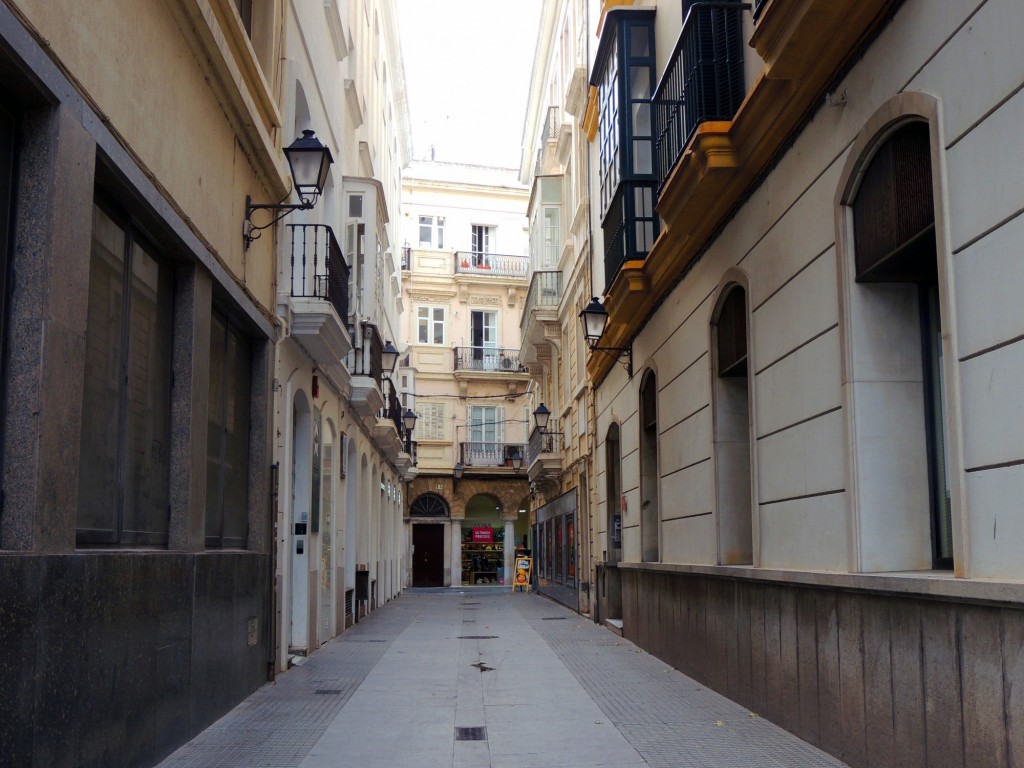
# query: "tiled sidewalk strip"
x,y
670,719
278,725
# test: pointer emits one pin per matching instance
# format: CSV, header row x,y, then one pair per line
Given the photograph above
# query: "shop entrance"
x,y
428,555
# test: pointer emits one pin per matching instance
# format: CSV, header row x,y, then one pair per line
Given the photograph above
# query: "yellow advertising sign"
x,y
521,577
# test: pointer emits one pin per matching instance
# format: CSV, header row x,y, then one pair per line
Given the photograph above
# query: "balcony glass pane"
x,y
639,41
642,156
642,119
640,82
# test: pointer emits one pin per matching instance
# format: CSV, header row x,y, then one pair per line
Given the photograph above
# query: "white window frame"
x,y
435,225
428,318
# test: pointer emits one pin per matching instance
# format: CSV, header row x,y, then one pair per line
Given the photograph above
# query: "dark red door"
x,y
427,555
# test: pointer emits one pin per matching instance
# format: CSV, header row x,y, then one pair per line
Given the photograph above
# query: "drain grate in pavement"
x,y
475,733
477,637
328,691
364,640
471,603
553,618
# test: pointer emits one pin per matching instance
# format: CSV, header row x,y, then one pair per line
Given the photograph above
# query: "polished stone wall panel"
x,y
116,658
877,679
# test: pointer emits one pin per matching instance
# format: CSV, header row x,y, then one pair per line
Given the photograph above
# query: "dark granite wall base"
x,y
875,679
118,658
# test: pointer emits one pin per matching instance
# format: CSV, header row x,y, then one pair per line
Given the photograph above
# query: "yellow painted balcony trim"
x,y
805,42
590,116
606,6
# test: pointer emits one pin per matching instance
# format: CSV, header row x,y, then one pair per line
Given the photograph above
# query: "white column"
x,y
510,550
456,561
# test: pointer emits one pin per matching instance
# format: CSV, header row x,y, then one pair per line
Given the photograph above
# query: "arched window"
x,y
899,429
429,505
650,519
731,392
613,480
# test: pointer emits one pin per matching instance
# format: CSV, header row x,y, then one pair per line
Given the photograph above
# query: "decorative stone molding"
x,y
426,298
488,301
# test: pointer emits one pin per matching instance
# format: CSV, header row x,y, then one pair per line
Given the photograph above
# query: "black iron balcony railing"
x,y
551,126
365,358
703,80
406,257
487,359
318,266
393,410
493,264
544,440
545,291
490,453
758,5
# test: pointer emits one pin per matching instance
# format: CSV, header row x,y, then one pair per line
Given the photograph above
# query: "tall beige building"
x,y
201,473
464,285
555,165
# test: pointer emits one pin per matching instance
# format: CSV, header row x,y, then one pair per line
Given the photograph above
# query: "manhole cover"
x,y
477,637
328,691
475,733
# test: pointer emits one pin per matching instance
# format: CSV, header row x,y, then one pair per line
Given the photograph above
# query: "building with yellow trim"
x,y
803,217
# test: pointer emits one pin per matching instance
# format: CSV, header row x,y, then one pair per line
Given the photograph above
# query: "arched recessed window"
x,y
731,392
900,431
613,480
650,519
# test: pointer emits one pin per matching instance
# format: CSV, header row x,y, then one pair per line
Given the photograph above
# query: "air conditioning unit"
x,y
507,363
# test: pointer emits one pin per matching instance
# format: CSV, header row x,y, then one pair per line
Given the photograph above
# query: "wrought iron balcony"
x,y
318,266
491,264
490,453
703,80
406,257
366,367
544,440
487,359
541,306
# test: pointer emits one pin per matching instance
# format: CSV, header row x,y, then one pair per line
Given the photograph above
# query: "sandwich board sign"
x,y
521,576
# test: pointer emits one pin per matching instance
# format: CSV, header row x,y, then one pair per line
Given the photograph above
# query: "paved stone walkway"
x,y
477,678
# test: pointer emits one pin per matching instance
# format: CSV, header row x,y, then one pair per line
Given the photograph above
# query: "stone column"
x,y
510,549
49,301
456,561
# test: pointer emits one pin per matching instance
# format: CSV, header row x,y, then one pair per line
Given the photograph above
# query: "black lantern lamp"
x,y
517,460
595,317
388,358
409,420
541,416
309,162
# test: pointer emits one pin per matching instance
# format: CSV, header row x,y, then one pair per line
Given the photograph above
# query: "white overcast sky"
x,y
467,72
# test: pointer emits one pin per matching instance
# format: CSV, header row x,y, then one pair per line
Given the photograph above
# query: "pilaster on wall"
x,y
46,356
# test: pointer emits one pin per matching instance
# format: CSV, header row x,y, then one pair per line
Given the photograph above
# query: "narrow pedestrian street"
x,y
488,678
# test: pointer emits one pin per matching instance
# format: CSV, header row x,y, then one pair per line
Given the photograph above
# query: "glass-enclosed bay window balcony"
x,y
624,77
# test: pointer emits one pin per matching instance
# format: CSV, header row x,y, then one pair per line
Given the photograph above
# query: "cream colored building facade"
x,y
555,165
464,285
806,249
339,448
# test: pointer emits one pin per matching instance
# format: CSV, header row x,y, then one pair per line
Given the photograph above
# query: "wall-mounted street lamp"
x,y
409,422
595,318
517,460
388,358
541,416
309,161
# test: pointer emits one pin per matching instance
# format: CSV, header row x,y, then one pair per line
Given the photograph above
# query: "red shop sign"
x,y
485,535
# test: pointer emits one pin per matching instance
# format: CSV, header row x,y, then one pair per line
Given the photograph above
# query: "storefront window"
x,y
570,536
